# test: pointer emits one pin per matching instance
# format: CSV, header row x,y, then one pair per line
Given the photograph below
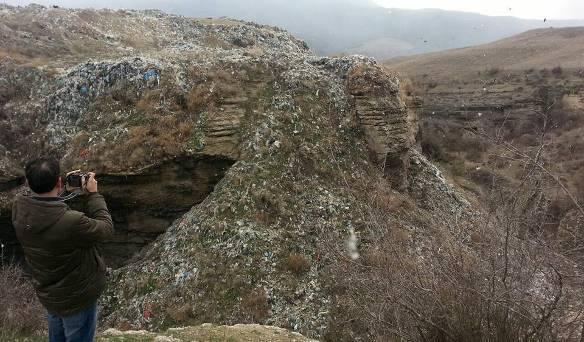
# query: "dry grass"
x,y
214,86
256,305
297,264
209,333
20,312
163,120
167,138
493,287
149,102
215,42
200,97
557,71
532,49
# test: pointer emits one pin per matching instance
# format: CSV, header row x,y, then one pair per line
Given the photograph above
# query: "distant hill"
x,y
357,27
421,31
541,48
332,27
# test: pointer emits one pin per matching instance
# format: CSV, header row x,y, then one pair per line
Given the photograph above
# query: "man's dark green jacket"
x,y
60,247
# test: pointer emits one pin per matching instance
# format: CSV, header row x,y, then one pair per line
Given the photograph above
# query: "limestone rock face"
x,y
384,119
226,151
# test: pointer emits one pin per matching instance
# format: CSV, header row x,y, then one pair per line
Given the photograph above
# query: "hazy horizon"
x,y
333,27
523,9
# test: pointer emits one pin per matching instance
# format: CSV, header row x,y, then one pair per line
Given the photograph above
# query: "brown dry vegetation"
x,y
212,87
163,118
507,282
542,48
510,82
20,312
297,264
256,305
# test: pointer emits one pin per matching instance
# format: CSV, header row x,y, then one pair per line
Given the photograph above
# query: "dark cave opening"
x,y
143,205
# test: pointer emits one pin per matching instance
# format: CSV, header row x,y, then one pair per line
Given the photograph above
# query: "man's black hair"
x,y
42,174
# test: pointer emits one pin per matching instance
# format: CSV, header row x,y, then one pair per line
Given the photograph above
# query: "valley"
x,y
526,91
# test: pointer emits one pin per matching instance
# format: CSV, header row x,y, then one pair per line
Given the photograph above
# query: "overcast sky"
x,y
531,9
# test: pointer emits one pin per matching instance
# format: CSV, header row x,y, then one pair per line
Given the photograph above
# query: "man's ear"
x,y
59,184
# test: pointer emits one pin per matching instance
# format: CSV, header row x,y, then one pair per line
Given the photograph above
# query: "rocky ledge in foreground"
x,y
208,332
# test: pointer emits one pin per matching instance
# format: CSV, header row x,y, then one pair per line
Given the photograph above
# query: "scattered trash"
x,y
150,74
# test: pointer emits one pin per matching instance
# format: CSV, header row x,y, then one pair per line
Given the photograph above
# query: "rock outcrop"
x,y
209,332
230,139
195,93
382,115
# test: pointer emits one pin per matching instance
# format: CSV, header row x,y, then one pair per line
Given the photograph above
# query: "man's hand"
x,y
90,182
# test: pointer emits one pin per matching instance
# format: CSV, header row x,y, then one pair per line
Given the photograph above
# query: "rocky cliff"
x,y
170,113
230,138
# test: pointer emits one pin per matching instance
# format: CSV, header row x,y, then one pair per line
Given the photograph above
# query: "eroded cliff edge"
x,y
265,141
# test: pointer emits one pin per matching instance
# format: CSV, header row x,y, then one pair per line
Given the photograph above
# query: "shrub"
x,y
432,147
557,71
475,147
500,282
484,177
493,71
21,314
297,264
407,87
579,186
458,141
457,167
432,84
256,305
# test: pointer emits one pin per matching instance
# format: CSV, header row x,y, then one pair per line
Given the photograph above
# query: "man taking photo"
x,y
60,247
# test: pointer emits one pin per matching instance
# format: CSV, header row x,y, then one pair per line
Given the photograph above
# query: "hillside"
x,y
251,181
536,49
422,31
521,90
